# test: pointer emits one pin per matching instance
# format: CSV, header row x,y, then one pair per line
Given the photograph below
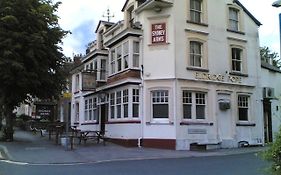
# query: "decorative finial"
x,y
108,15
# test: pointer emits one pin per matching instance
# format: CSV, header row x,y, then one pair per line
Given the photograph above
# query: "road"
x,y
243,164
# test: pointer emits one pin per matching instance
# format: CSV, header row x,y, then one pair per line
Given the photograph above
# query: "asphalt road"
x,y
243,164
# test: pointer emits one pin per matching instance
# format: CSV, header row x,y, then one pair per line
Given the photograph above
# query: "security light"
x,y
277,4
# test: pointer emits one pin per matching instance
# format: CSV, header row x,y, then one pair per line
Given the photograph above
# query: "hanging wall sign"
x,y
158,33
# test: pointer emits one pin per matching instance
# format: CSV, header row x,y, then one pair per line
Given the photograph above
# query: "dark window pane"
x,y
186,111
160,111
243,114
125,110
135,110
200,111
118,111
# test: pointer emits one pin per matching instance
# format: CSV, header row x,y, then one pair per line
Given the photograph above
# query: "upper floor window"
x,y
196,54
136,53
196,11
124,56
77,82
236,57
233,19
243,107
103,69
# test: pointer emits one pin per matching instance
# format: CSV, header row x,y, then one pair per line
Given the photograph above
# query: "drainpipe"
x,y
141,93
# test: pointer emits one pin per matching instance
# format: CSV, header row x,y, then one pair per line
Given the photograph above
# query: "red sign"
x,y
158,33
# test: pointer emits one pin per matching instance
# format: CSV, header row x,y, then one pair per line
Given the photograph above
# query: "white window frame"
x,y
243,102
194,11
193,54
160,97
135,101
77,83
119,104
126,54
112,105
77,112
113,61
234,20
194,102
136,55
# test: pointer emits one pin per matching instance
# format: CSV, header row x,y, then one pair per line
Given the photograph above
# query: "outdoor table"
x,y
90,134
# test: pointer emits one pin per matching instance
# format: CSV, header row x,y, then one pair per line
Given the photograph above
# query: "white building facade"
x,y
177,75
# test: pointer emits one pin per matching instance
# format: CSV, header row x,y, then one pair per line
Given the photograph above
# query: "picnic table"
x,y
91,134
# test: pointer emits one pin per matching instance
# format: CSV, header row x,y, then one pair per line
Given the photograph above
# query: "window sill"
x,y
197,23
197,123
238,74
234,31
241,123
155,122
197,69
76,123
124,122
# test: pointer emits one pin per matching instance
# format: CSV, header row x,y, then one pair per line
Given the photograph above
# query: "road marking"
x,y
13,162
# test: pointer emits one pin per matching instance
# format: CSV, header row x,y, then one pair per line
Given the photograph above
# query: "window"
x,y
77,82
236,56
200,105
90,109
95,110
187,104
86,110
77,112
112,105
118,104
195,10
136,51
195,54
126,54
233,19
103,70
125,103
243,107
135,103
119,58
160,104
112,61
194,105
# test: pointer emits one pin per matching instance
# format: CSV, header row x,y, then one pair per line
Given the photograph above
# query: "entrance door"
x,y
103,119
267,121
225,121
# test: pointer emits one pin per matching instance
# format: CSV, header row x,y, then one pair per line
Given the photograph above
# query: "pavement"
x,y
30,148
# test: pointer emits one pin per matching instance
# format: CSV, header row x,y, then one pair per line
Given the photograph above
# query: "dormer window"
x,y
130,15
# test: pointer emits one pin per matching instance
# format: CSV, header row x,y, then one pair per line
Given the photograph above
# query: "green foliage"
x,y
273,154
31,60
270,57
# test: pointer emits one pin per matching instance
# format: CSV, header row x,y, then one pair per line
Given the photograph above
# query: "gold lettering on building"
x,y
217,77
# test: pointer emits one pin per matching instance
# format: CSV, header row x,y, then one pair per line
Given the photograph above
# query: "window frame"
x,y
193,55
192,101
235,20
245,105
160,101
193,11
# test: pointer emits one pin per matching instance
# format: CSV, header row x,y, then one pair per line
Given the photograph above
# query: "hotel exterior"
x,y
174,75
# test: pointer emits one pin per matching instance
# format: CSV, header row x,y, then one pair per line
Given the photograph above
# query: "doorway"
x,y
103,116
267,117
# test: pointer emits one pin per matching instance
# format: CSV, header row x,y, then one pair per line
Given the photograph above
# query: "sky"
x,y
81,18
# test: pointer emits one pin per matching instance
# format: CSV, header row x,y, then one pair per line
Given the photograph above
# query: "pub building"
x,y
174,75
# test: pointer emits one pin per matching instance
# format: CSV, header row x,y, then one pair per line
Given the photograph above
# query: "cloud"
x,y
81,18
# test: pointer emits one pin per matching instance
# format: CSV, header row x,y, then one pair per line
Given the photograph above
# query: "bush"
x,y
273,154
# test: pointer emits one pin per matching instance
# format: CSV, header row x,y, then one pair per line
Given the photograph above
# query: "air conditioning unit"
x,y
268,92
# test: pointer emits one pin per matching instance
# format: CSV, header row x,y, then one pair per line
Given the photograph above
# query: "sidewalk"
x,y
34,149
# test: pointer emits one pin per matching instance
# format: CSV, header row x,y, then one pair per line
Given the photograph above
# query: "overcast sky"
x,y
81,18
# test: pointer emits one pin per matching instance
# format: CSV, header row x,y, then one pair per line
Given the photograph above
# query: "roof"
x,y
270,67
106,23
123,9
247,12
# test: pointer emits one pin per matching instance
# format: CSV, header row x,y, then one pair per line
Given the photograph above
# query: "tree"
x,y
31,60
270,57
